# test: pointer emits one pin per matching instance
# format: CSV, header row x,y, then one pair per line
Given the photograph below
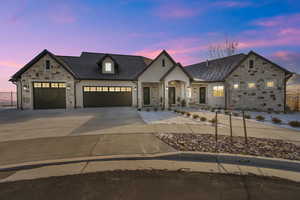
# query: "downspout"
x,y
75,101
226,96
286,78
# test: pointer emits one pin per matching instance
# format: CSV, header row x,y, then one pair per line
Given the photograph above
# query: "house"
x,y
242,81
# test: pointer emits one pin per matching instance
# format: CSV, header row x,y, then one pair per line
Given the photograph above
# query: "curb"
x,y
187,156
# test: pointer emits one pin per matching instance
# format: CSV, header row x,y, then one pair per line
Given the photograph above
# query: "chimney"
x,y
207,63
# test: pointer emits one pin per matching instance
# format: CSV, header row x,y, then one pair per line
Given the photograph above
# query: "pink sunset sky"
x,y
145,27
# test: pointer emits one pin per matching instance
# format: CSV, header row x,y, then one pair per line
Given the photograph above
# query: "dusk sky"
x,y
145,27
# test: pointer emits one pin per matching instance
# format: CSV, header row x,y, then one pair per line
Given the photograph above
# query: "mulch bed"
x,y
256,146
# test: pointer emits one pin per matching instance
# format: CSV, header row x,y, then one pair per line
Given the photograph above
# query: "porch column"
x,y
166,92
140,94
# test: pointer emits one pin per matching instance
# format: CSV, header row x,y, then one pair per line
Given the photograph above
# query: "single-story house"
x,y
241,81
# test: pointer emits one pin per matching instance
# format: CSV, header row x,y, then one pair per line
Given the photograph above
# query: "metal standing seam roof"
x,y
86,66
217,69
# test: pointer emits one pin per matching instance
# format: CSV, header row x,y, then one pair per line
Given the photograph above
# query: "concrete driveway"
x,y
27,124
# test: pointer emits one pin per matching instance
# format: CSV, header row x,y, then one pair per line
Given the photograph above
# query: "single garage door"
x,y
107,96
48,95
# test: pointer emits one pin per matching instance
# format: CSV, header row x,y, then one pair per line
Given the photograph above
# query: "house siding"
x,y
260,98
37,73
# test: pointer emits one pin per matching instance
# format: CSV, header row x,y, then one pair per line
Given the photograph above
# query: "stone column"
x,y
165,90
140,94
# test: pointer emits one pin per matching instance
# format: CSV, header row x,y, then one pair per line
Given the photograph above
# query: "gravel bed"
x,y
256,146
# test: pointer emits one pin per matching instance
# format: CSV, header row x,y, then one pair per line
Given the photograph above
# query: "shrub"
x,y
260,118
212,110
155,109
169,109
276,120
294,123
188,114
148,109
176,111
139,109
248,116
195,116
162,108
236,114
203,119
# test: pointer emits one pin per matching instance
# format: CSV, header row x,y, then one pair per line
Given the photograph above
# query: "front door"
x,y
202,95
172,95
146,92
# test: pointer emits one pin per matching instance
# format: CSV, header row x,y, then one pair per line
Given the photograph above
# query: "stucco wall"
x,y
80,84
156,70
37,73
260,98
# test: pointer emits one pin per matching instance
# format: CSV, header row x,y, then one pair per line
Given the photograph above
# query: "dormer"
x,y
107,65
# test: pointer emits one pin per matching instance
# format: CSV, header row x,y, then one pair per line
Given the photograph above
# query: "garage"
x,y
107,96
47,95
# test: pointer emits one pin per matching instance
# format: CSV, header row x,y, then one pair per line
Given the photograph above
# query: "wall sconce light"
x,y
25,87
134,88
167,88
68,87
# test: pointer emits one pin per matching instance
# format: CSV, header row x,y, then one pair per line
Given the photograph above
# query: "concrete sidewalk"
x,y
188,161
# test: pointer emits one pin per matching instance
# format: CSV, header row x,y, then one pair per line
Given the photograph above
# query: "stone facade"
x,y
261,97
37,72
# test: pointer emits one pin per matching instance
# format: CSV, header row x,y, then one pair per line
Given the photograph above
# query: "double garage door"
x,y
107,96
48,95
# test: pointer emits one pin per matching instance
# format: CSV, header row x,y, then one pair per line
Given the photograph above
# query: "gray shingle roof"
x,y
217,69
86,66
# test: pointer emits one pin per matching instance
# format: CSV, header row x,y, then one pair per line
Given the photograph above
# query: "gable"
x,y
36,59
176,73
37,71
155,71
261,70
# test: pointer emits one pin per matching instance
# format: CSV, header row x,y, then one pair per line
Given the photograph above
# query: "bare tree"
x,y
227,48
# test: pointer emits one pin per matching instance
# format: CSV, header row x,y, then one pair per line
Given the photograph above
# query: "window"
x,y
37,85
218,91
54,85
86,89
93,89
62,85
104,89
45,85
236,86
108,67
251,85
270,84
47,65
251,63
99,89
163,63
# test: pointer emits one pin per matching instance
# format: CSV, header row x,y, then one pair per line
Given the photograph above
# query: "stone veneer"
x,y
260,98
37,73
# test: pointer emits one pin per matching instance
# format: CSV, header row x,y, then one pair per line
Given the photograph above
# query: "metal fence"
x,y
293,101
8,99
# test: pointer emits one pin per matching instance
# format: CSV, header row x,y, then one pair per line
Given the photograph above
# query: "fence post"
x,y
230,124
245,129
11,98
216,127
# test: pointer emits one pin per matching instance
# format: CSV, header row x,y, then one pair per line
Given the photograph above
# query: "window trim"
x,y
222,93
266,84
255,86
238,86
251,60
46,66
105,67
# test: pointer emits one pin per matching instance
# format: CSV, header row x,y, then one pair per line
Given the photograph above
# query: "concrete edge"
x,y
217,158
